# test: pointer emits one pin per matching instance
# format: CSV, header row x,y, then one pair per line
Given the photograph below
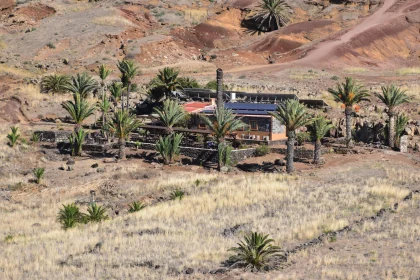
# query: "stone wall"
x,y
55,136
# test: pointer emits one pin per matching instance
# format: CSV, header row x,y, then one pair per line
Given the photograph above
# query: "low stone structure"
x,y
55,136
404,144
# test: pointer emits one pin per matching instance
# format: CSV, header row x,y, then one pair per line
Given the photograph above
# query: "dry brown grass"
x,y
291,209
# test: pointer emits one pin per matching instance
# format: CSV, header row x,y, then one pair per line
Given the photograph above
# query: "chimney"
x,y
219,79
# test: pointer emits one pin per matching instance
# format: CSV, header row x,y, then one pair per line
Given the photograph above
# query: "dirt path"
x,y
324,49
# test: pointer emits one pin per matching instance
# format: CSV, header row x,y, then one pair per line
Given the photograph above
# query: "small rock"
x,y
70,162
95,165
189,271
100,170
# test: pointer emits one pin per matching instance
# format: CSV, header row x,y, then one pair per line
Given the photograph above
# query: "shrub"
x,y
136,206
255,252
51,45
335,78
76,141
35,137
302,137
177,194
39,174
13,136
70,215
224,154
96,213
187,82
262,150
168,146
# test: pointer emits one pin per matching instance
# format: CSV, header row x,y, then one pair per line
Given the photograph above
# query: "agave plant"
x,y
255,252
96,213
272,14
39,174
13,136
55,84
168,147
69,216
136,206
177,194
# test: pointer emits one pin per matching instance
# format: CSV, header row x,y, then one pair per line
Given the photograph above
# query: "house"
x,y
260,125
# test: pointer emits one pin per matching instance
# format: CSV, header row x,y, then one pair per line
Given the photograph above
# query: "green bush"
x,y
168,147
224,154
177,194
39,174
13,136
76,142
262,150
35,137
302,137
256,252
96,213
70,216
136,206
51,45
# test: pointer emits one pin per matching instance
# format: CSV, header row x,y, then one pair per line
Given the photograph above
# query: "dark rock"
x,y
100,170
189,271
95,165
279,162
70,162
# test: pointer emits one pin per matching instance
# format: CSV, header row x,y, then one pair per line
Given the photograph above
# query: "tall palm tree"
x,y
104,105
392,97
223,123
294,115
123,123
273,13
79,109
55,83
320,128
349,94
116,89
168,80
128,72
82,84
103,73
170,114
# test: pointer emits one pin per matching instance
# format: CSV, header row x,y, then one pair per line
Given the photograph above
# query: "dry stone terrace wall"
x,y
54,136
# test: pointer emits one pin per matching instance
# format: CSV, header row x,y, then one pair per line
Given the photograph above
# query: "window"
x,y
201,125
253,125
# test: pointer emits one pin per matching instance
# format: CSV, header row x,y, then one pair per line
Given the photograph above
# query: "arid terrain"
x,y
357,216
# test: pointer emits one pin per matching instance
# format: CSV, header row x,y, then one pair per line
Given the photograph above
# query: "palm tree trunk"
x,y
122,101
121,146
391,136
291,136
348,111
128,95
317,152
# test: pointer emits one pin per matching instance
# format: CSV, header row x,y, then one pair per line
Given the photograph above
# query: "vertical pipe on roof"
x,y
219,79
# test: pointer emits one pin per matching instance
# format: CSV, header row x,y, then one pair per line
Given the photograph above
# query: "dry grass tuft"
x,y
112,21
408,71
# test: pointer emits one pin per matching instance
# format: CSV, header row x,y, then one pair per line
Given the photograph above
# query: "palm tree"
x,y
170,114
104,105
55,84
320,127
103,73
294,115
116,90
392,96
168,80
128,72
223,123
123,123
349,94
274,13
79,109
400,124
82,84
